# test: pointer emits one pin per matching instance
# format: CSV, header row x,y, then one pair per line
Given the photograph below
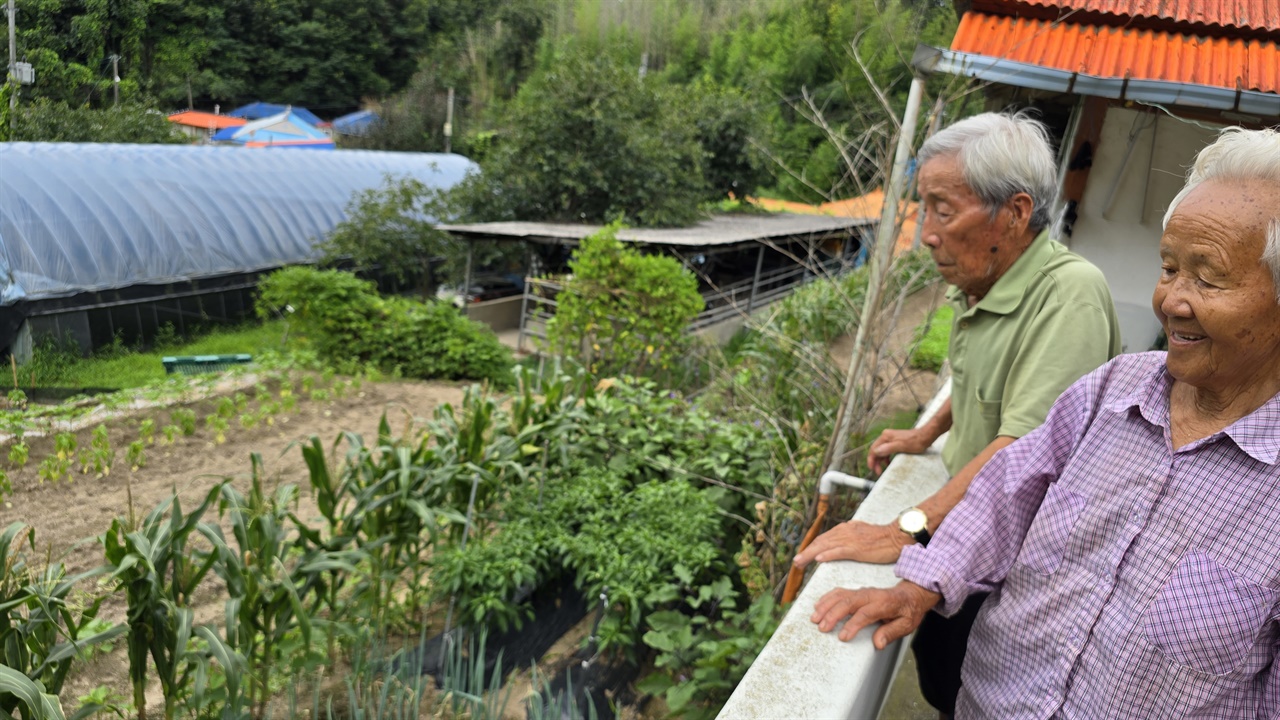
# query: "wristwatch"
x,y
915,523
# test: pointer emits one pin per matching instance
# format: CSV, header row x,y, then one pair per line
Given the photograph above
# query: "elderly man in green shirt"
x,y
1031,318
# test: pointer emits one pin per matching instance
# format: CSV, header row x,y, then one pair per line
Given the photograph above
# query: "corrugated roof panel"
x,y
1123,53
1243,14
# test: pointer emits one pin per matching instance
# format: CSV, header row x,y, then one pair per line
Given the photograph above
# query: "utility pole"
x,y
115,76
448,122
12,78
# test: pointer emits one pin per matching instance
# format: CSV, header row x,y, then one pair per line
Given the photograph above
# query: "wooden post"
x,y
755,282
13,363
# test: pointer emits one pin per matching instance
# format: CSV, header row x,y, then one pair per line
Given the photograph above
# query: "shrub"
x,y
932,338
351,325
623,311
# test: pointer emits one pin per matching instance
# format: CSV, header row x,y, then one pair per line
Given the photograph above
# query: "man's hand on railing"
x,y
856,540
899,608
892,442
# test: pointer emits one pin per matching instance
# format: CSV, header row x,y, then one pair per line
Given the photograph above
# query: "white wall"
x,y
1124,239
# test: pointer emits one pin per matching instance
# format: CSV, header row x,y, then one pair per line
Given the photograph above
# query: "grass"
x,y
934,334
120,368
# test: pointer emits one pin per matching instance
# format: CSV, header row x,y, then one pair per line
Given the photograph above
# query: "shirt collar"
x,y
1255,433
1005,296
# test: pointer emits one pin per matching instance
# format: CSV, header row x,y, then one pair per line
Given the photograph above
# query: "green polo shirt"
x,y
1048,321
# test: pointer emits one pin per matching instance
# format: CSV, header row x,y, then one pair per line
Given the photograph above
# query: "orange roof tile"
x,y
1261,15
205,120
1120,53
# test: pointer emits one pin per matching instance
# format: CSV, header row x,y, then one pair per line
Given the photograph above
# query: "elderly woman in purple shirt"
x,y
1132,543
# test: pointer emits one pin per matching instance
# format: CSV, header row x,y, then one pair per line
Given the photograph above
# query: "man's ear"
x,y
1020,208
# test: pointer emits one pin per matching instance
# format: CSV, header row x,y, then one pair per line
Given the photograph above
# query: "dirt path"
x,y
68,515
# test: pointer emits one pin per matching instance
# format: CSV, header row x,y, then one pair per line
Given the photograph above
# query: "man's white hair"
x,y
1001,155
1240,155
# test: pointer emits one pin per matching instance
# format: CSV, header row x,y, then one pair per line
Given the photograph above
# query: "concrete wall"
x,y
1121,234
803,673
501,314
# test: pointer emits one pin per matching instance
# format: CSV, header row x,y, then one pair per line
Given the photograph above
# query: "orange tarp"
x,y
868,206
1120,53
205,120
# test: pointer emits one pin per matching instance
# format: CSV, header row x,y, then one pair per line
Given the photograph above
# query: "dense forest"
x,y
715,82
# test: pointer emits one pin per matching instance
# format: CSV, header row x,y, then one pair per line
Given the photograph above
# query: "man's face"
x,y
971,249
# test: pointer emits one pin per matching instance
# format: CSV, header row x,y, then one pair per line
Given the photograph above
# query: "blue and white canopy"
x,y
285,129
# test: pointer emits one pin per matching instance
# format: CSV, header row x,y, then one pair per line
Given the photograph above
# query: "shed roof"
x,y
719,230
1113,52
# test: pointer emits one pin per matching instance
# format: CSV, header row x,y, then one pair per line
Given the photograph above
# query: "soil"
x,y
70,514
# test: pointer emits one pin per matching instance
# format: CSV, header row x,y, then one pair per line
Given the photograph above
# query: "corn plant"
x,y
158,573
41,632
30,695
382,499
264,605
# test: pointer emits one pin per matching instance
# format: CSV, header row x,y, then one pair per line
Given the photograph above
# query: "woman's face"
x,y
1216,298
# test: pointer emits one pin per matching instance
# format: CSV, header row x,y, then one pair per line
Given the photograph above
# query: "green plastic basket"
x,y
194,364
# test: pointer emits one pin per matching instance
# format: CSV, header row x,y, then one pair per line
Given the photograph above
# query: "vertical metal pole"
x,y
13,67
448,124
933,128
524,300
466,279
115,78
755,282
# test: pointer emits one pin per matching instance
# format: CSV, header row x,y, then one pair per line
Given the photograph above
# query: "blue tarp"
x,y
356,123
83,217
285,129
258,110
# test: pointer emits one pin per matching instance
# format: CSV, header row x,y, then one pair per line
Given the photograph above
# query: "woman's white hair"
x,y
1240,155
1000,156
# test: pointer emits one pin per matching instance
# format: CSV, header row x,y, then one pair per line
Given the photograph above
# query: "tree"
x,y
48,121
393,228
587,140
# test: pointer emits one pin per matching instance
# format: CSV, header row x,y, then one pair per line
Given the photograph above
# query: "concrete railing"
x,y
803,673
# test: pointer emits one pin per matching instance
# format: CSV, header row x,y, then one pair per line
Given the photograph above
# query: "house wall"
x,y
1122,236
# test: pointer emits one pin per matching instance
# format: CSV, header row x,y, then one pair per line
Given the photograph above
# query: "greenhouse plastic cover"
x,y
83,217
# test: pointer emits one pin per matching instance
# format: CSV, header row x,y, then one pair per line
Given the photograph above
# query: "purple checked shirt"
x,y
1128,580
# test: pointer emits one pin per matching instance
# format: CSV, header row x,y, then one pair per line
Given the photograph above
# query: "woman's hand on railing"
x,y
899,609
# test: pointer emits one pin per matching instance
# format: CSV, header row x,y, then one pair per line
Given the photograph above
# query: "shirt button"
x,y
964,324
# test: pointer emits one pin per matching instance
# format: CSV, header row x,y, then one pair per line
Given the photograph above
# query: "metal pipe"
x,y
826,485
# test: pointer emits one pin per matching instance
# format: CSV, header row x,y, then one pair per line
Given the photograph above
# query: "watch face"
x,y
913,521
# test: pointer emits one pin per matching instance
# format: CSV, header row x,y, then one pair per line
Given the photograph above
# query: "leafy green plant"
x,y
103,700
17,399
171,433
226,408
248,421
64,445
622,311
219,426
18,454
102,454
53,468
704,651
136,455
185,419
932,338
147,431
